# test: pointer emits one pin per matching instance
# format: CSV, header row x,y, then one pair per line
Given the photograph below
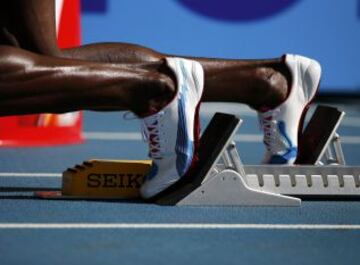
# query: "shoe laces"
x,y
268,124
152,132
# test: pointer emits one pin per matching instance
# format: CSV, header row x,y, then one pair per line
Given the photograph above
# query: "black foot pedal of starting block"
x,y
319,144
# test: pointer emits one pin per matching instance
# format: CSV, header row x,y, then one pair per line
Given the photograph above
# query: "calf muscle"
x,y
31,83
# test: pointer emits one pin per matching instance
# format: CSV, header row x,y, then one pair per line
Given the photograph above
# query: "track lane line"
x,y
178,226
135,136
29,175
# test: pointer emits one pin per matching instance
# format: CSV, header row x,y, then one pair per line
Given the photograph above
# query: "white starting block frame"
x,y
224,181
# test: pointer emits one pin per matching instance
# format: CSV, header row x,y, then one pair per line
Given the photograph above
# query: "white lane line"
x,y
248,138
117,136
134,136
351,122
350,139
30,175
178,226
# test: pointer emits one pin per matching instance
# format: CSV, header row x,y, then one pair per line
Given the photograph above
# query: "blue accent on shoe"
x,y
153,172
283,159
282,128
184,146
291,151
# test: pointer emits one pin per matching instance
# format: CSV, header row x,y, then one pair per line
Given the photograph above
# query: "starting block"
x,y
220,178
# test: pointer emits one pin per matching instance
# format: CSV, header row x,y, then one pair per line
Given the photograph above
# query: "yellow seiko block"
x,y
107,179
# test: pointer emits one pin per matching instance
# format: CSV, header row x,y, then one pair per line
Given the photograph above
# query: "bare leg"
x,y
257,83
136,80
31,83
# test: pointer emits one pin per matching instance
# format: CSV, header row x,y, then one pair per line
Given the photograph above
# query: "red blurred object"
x,y
49,129
69,25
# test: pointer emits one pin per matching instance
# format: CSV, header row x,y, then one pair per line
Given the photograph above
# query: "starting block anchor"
x,y
220,179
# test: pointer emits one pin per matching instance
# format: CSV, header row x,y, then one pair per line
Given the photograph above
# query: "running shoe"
x,y
173,133
283,124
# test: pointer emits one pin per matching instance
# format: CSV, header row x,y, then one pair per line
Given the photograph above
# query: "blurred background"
x,y
326,30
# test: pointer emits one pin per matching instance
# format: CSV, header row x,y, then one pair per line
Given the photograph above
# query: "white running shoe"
x,y
173,133
283,124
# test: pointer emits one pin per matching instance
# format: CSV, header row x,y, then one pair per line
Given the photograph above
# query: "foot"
x,y
173,132
282,124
